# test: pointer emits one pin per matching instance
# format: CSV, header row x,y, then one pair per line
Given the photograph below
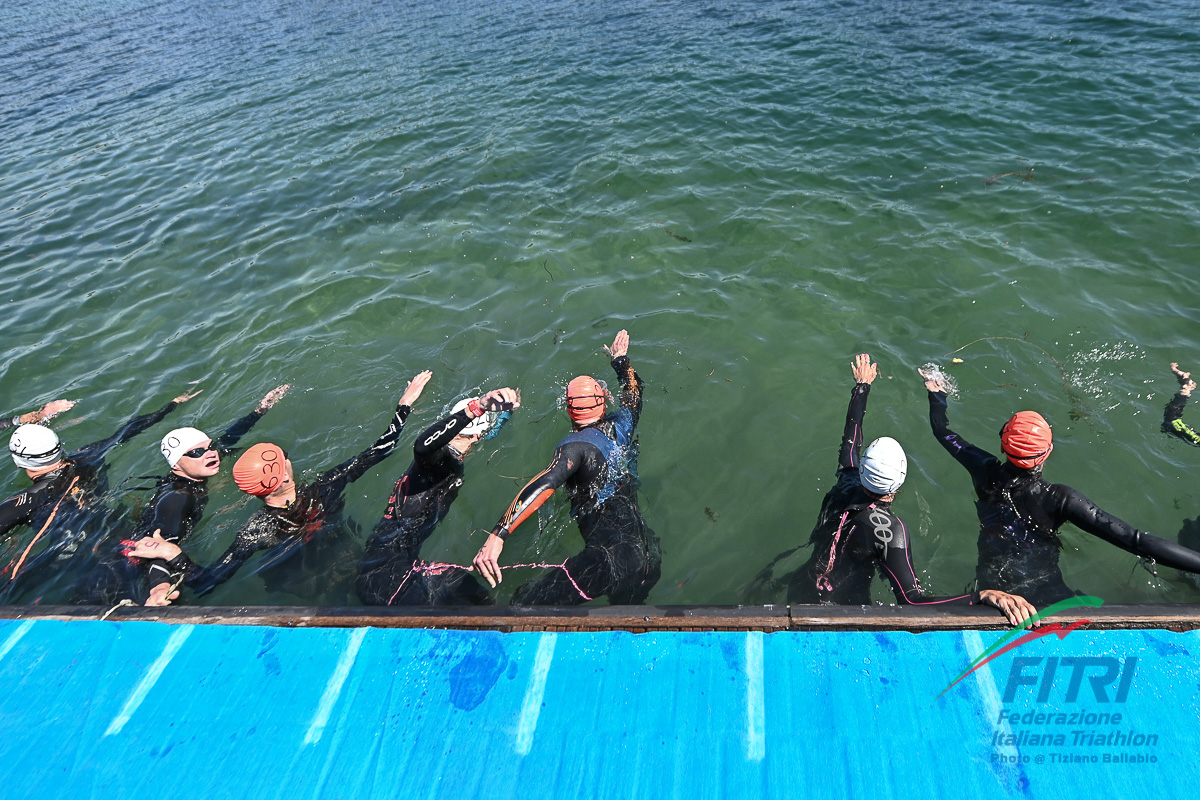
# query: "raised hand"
x,y
864,371
1186,384
415,387
501,400
934,381
620,345
272,397
48,411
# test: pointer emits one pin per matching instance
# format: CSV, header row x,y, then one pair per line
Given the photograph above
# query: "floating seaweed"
x,y
1026,176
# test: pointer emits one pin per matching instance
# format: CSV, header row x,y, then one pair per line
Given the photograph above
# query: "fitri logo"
x,y
1107,678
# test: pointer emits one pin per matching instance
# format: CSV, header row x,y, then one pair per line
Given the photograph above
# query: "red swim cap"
x,y
261,469
585,400
1026,439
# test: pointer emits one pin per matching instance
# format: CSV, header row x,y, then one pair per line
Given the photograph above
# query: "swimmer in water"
x,y
64,503
291,515
178,503
1020,512
857,531
391,572
597,463
1189,534
41,416
1173,414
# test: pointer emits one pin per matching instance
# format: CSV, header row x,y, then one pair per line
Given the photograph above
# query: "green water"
x,y
339,196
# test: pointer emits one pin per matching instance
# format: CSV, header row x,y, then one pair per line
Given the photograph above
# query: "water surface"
x,y
340,195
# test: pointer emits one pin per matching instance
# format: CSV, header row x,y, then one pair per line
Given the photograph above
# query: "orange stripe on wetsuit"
x,y
527,503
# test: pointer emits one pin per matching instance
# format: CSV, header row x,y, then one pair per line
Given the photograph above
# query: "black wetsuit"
x,y
1019,517
855,533
1173,420
622,557
391,572
10,422
314,515
176,507
1189,534
65,505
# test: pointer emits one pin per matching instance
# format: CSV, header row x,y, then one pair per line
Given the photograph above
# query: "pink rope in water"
x,y
438,567
823,582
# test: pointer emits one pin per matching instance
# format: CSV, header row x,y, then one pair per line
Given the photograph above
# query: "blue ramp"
x,y
136,709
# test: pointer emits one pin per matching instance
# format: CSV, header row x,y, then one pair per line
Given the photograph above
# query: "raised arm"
x,y
864,373
1173,414
43,414
229,439
630,397
442,432
967,454
349,471
134,426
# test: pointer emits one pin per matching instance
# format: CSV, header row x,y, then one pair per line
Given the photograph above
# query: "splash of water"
x,y
933,371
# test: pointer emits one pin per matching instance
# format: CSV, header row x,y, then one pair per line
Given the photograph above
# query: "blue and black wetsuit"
x,y
1019,517
391,572
315,516
175,509
622,557
857,533
1173,420
66,507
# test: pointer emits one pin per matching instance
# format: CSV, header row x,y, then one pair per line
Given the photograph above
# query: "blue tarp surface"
x,y
138,709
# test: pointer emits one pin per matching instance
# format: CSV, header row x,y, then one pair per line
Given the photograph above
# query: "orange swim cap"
x,y
585,400
1026,439
261,469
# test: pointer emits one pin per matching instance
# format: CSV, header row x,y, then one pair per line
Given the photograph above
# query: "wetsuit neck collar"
x,y
282,503
1012,470
49,474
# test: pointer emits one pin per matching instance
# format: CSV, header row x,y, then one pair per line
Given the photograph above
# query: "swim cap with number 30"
x,y
261,469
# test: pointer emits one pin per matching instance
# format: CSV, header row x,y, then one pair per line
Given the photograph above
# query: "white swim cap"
x,y
478,426
179,441
883,467
34,446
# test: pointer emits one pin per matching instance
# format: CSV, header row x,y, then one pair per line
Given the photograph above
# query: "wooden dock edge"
x,y
634,619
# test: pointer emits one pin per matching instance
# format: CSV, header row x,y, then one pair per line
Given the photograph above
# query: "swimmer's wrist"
x,y
501,532
180,564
